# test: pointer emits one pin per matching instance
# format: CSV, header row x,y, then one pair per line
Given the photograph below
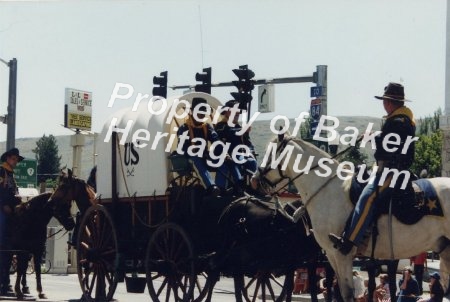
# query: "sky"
x,y
92,45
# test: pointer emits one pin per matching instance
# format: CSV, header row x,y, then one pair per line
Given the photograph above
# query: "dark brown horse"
x,y
30,234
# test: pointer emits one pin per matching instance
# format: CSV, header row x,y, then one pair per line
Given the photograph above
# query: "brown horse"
x,y
30,234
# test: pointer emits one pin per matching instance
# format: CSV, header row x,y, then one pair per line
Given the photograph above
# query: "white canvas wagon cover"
x,y
140,171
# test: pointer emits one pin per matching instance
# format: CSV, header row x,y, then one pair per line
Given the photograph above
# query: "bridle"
x,y
264,182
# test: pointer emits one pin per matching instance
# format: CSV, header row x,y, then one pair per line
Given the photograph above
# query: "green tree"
x,y
354,155
428,153
48,160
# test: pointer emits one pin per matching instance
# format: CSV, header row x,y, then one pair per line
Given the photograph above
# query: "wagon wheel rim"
x,y
204,286
97,249
170,265
265,286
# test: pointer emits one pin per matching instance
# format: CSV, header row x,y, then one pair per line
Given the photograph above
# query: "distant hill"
x,y
260,135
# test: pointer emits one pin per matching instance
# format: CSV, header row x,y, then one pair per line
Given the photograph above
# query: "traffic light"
x,y
162,82
245,85
205,78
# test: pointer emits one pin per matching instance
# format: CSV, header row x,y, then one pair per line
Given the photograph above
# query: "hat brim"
x,y
5,155
391,99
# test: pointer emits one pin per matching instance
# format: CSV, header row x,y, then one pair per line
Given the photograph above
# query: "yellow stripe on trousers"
x,y
368,206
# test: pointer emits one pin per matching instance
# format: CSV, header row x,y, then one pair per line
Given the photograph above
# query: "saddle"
x,y
409,205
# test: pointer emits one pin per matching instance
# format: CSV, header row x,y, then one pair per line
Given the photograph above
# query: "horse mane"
x,y
35,202
88,195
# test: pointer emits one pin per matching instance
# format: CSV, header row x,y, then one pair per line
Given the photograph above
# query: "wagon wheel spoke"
x,y
270,288
91,285
266,286
169,264
163,285
97,252
275,280
255,292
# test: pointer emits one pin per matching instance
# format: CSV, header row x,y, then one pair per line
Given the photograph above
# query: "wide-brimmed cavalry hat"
x,y
435,275
198,101
395,92
13,151
230,104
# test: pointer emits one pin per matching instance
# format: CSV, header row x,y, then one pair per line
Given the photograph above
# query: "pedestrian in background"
x,y
409,289
419,263
436,290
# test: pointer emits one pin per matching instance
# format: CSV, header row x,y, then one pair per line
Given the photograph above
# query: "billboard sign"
x,y
78,109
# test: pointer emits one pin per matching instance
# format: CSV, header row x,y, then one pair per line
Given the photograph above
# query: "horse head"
x,y
61,211
71,188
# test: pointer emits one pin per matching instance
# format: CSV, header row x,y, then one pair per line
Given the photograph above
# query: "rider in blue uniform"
x,y
399,121
8,201
197,131
227,130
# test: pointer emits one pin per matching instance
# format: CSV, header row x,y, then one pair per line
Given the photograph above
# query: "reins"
x,y
57,232
291,180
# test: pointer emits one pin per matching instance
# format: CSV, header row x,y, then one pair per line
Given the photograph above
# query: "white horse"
x,y
328,203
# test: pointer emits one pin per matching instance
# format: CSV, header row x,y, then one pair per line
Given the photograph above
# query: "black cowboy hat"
x,y
394,92
198,101
230,104
13,151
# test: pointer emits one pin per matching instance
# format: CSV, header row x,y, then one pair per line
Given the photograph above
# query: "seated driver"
x,y
198,131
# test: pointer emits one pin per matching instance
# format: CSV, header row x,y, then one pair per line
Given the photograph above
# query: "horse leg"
x,y
37,270
25,288
392,271
444,269
329,273
22,263
371,268
343,266
312,265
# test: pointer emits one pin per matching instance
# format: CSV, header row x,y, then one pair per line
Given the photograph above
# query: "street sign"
x,y
316,91
78,109
266,98
313,127
315,109
25,173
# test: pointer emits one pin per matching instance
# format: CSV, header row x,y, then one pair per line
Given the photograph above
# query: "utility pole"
x,y
444,122
10,118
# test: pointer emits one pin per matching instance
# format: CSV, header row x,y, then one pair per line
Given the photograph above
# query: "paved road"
x,y
66,288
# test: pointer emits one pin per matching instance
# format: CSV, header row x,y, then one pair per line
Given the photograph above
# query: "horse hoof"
x,y
26,290
42,296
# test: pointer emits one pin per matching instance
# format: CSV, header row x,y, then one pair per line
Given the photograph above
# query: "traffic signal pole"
x,y
288,80
10,118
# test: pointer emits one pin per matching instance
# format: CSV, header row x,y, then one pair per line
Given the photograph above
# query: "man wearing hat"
x,y
8,200
399,122
227,130
199,131
436,289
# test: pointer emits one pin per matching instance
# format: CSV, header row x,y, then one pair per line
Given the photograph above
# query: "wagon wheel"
x,y
264,286
170,265
96,255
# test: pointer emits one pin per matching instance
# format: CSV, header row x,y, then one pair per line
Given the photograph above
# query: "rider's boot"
x,y
342,244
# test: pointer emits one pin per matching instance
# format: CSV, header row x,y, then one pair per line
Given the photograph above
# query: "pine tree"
x,y
48,160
